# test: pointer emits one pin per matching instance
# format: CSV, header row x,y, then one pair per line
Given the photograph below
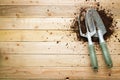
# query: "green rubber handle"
x,y
93,57
106,54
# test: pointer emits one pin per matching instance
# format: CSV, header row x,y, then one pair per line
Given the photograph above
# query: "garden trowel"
x,y
101,30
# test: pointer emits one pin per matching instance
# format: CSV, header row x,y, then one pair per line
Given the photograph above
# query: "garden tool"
x,y
88,35
101,30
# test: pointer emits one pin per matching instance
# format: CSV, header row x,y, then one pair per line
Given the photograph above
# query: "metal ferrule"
x,y
100,35
89,39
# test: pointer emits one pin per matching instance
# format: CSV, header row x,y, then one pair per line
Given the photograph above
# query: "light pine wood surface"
x,y
38,41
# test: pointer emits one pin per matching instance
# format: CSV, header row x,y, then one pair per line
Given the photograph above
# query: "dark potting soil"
x,y
107,18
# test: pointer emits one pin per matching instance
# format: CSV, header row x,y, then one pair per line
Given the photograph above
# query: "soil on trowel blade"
x,y
107,18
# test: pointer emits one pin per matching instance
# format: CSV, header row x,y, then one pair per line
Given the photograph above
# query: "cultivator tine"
x,y
80,30
90,22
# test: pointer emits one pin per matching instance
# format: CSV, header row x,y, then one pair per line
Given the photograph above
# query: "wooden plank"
x,y
64,10
41,35
61,48
37,11
28,79
37,35
53,60
42,2
49,2
36,23
14,79
41,23
43,48
59,73
55,2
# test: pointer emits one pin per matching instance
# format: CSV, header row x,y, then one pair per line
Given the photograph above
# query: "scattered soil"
x,y
109,74
107,18
6,58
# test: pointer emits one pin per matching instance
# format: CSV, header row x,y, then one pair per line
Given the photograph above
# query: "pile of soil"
x,y
107,18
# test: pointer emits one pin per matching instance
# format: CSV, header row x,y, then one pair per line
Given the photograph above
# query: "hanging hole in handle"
x,y
95,69
67,78
110,65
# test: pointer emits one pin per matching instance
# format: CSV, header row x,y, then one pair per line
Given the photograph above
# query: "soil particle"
x,y
66,44
118,40
74,13
6,58
113,3
51,33
58,42
48,10
12,1
109,74
18,44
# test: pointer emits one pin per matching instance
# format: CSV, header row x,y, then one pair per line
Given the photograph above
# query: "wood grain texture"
x,y
42,23
37,11
53,60
37,35
43,35
60,48
37,23
38,43
40,2
59,73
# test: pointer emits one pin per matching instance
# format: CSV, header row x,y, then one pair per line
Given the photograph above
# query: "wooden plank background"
x,y
38,43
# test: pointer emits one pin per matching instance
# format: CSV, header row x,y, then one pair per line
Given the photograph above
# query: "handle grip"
x,y
106,54
93,57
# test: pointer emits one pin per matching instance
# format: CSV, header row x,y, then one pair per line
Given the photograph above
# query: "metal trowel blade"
x,y
96,22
